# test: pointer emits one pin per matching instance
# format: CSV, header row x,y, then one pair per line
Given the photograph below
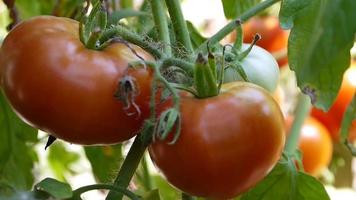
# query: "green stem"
x,y
128,168
126,4
302,111
79,191
232,25
179,25
184,65
120,31
160,19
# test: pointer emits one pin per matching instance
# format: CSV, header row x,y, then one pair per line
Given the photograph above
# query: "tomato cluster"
x,y
227,142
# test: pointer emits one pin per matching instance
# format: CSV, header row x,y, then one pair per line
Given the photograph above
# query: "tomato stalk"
x,y
179,25
160,20
204,78
302,111
121,190
239,36
120,31
234,23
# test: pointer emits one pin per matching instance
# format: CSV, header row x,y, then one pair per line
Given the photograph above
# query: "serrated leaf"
x,y
105,161
289,8
60,160
55,188
319,47
16,155
285,182
234,8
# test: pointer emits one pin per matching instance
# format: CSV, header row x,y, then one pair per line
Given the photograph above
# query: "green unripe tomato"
x,y
260,68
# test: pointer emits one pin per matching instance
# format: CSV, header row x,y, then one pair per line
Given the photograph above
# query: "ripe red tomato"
x,y
316,145
57,85
333,118
227,144
274,39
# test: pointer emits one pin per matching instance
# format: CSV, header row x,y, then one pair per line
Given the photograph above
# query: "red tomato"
x,y
316,145
333,118
228,143
274,39
57,85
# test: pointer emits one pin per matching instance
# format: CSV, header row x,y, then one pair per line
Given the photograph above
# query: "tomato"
x,y
315,145
274,39
227,143
57,85
333,118
260,68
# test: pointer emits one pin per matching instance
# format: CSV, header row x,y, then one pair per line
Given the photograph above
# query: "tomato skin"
x,y
332,119
227,144
274,39
260,68
316,145
57,85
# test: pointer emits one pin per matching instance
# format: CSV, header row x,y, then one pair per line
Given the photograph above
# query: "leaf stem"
x,y
302,111
179,25
160,19
234,23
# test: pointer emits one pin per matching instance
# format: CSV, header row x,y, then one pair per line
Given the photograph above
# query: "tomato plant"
x,y
58,85
274,39
260,68
332,119
228,143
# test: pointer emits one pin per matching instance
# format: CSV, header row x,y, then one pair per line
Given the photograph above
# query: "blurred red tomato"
x,y
333,118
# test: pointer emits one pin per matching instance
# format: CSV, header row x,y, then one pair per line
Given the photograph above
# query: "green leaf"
x,y
285,182
234,8
289,8
55,188
16,153
61,160
105,161
319,48
152,195
30,8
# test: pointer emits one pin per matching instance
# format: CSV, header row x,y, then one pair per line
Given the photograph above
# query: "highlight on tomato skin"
x,y
332,119
228,143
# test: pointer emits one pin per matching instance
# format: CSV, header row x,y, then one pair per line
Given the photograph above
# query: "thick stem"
x,y
179,25
128,168
161,23
120,31
302,111
232,25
